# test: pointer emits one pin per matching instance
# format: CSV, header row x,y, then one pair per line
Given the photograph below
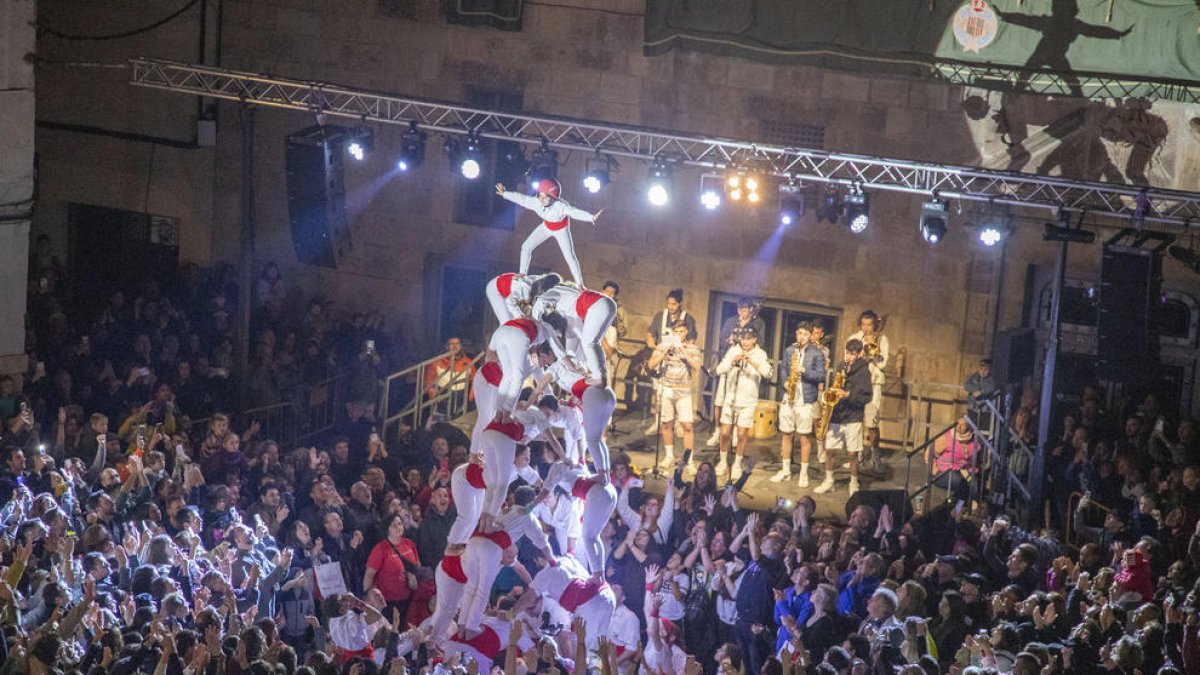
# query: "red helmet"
x,y
548,186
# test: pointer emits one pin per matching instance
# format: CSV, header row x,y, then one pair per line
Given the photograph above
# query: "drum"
x,y
766,420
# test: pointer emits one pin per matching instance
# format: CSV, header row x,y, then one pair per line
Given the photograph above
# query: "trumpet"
x,y
871,344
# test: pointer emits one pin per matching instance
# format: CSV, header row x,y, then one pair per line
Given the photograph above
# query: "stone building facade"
x,y
102,142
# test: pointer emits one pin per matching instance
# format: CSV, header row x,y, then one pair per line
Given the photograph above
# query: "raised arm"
x,y
527,201
632,520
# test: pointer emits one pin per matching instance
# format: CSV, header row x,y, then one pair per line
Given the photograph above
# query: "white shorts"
x,y
848,436
871,410
796,417
739,415
677,404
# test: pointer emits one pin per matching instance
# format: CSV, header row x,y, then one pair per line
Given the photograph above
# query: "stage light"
x,y
543,165
658,182
361,142
934,214
412,148
830,206
469,159
711,187
741,185
791,203
857,205
990,235
597,172
1062,230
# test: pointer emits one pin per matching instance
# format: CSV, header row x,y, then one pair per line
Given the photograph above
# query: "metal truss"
x,y
1050,83
1169,207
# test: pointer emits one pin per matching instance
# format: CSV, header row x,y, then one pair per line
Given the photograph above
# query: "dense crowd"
x,y
132,543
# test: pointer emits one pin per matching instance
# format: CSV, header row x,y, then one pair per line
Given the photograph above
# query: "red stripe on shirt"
x,y
492,373
452,566
514,430
527,325
585,301
500,538
475,476
504,284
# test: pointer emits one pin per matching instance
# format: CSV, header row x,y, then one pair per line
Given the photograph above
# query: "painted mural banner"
x,y
1144,40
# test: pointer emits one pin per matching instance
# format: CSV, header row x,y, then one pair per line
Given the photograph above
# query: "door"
x,y
780,318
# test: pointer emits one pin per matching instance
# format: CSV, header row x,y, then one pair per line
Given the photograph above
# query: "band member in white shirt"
x,y
746,364
869,332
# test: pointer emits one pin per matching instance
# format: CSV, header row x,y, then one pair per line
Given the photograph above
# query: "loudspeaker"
x,y
1012,356
317,195
896,500
1130,294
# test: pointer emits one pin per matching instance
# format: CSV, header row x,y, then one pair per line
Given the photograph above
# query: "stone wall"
x,y
16,174
579,58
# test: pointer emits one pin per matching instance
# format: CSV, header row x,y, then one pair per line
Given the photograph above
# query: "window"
x,y
502,14
476,200
792,134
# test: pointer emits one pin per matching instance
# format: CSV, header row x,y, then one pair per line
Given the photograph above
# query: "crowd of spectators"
x,y
133,544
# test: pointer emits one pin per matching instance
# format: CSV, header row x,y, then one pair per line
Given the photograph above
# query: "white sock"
x,y
787,462
669,449
803,467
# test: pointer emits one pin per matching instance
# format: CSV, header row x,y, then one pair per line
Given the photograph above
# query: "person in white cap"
x,y
556,215
511,294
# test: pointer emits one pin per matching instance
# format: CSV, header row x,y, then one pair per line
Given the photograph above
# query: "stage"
x,y
627,435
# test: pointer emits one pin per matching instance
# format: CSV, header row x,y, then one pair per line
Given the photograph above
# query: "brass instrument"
x,y
871,344
829,400
793,376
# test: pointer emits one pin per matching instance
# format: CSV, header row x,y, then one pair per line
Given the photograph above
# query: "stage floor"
x,y
627,434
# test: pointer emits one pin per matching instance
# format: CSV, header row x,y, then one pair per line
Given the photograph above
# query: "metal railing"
x,y
1003,475
313,411
404,399
927,406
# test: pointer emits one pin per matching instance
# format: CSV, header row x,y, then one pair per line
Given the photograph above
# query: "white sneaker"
x,y
784,474
853,485
803,482
668,461
737,469
722,467
652,430
825,486
714,440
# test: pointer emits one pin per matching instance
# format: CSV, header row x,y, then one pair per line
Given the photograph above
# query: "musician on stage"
x,y
661,325
846,421
746,317
801,372
680,360
871,332
746,364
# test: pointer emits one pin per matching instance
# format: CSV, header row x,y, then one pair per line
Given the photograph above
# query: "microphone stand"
x,y
737,376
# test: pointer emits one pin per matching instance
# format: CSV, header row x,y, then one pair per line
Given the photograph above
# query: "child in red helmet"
x,y
556,215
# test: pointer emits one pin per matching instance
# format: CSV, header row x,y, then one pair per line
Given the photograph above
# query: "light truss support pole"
x,y
1115,201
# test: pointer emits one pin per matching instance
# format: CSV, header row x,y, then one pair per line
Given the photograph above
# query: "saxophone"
x,y
793,376
829,400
